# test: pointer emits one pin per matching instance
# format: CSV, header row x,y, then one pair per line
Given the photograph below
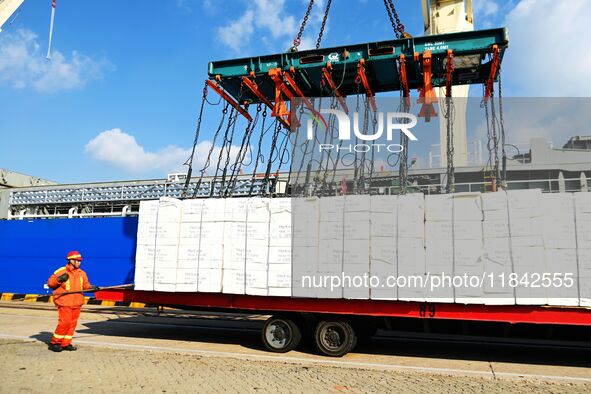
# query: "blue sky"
x,y
120,98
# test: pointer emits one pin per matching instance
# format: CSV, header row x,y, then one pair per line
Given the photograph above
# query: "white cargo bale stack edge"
x,y
560,247
383,236
234,260
258,219
527,244
279,275
583,231
497,249
468,246
330,243
168,226
146,245
188,251
356,247
234,247
411,245
439,251
305,220
211,245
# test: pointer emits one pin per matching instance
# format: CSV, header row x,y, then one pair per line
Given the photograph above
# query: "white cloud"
x,y
182,4
485,7
271,22
554,119
23,65
238,31
121,150
546,55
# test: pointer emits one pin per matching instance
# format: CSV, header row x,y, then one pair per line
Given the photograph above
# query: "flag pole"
x,y
53,3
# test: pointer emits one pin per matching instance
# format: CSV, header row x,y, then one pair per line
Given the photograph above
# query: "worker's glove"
x,y
63,278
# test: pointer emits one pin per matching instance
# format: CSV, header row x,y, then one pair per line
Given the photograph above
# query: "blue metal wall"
x,y
31,250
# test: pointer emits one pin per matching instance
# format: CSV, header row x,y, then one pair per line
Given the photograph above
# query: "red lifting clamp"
x,y
362,78
494,67
280,110
427,95
449,69
254,88
404,81
285,85
218,89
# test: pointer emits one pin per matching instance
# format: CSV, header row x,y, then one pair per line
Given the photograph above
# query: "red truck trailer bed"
x,y
492,313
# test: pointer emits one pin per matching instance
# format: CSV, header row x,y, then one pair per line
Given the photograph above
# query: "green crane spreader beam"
x,y
472,51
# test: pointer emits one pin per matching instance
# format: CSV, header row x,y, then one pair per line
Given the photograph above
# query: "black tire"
x,y
281,334
334,338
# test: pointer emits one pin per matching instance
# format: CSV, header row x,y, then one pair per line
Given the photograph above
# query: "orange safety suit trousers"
x,y
67,321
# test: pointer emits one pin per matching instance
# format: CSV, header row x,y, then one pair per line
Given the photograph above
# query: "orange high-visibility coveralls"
x,y
68,305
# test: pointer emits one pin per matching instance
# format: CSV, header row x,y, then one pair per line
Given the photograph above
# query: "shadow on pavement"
x,y
246,333
44,337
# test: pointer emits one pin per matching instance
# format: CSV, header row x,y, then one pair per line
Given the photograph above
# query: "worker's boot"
x,y
55,347
70,348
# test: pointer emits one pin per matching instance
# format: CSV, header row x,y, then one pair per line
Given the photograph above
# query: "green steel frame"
x,y
472,53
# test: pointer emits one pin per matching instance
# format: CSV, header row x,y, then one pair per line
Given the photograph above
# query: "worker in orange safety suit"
x,y
66,279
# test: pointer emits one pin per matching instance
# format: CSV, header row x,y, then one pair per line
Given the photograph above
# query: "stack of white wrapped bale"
x,y
234,246
189,246
467,241
261,246
306,224
330,245
167,244
383,245
411,244
258,218
356,246
583,229
527,242
497,248
146,245
439,245
560,246
211,245
279,277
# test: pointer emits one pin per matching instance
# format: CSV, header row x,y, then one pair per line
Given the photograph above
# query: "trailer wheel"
x,y
334,338
281,334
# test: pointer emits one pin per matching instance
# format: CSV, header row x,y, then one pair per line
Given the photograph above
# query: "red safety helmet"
x,y
74,255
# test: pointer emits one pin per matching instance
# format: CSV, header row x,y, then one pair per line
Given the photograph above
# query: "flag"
x,y
53,3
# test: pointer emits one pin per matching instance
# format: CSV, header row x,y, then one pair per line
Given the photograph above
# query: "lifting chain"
x,y
259,156
502,127
449,117
239,159
394,19
189,161
298,39
208,160
323,24
403,156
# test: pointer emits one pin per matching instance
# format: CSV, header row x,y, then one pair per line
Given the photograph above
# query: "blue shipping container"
x,y
31,250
